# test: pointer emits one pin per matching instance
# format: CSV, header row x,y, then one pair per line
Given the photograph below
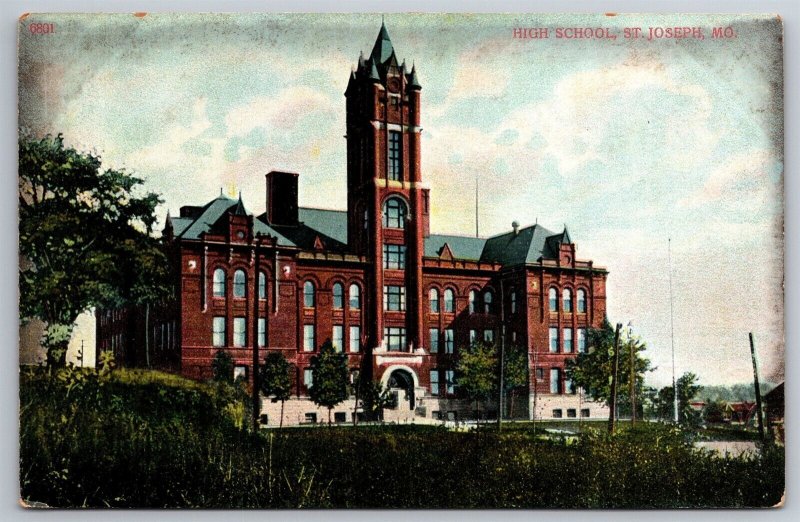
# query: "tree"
x,y
515,372
592,370
330,375
222,367
688,388
374,398
477,372
84,239
275,379
714,411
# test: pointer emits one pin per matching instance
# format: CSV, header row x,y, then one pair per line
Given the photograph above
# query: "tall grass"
x,y
152,440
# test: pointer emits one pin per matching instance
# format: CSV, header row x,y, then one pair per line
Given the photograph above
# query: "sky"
x,y
648,150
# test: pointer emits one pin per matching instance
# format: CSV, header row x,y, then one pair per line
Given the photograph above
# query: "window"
x,y
338,296
219,283
339,416
557,414
449,378
434,334
555,380
448,340
568,340
240,373
218,328
262,331
394,298
394,213
308,294
539,374
308,378
488,336
308,338
553,339
581,340
395,338
581,301
433,299
355,339
570,387
513,300
473,336
311,418
394,155
338,337
394,257
239,332
553,298
567,296
239,283
449,301
262,285
487,302
355,297
585,412
473,296
434,382
571,413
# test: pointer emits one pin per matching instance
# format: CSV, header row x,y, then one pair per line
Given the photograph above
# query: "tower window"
x,y
395,338
394,213
394,257
394,298
394,156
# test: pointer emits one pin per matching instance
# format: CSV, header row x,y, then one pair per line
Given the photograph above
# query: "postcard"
x,y
401,260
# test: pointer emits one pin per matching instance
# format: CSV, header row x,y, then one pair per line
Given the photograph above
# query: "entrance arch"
x,y
401,379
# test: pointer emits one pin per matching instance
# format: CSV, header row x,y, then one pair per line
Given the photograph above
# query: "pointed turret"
x,y
383,49
565,239
240,210
413,82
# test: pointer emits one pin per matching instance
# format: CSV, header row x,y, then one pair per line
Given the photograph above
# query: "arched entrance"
x,y
401,383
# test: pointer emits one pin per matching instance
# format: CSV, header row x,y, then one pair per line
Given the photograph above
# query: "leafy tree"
x,y
275,379
84,239
477,372
688,388
714,410
592,370
222,366
374,398
515,372
330,376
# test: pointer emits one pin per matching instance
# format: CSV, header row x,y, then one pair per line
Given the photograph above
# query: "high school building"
x,y
399,301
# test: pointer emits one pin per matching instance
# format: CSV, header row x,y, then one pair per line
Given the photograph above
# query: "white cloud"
x,y
281,112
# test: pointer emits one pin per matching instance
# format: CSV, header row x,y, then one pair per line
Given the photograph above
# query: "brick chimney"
x,y
282,198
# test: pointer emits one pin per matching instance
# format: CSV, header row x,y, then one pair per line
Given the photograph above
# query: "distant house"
x,y
774,408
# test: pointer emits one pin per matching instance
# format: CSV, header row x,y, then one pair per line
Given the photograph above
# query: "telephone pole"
x,y
758,389
613,412
632,391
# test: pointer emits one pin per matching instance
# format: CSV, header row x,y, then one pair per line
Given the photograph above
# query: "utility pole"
x,y
256,296
758,389
502,328
612,414
632,391
672,333
81,357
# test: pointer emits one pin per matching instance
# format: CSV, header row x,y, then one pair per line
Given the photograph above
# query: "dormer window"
x,y
394,156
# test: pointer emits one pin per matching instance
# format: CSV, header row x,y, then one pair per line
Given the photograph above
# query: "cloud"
x,y
281,112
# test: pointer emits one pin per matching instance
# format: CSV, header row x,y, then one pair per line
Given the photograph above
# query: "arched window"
x,y
355,297
567,295
338,296
239,283
581,301
394,213
473,297
262,285
553,298
433,299
487,302
308,294
449,301
219,282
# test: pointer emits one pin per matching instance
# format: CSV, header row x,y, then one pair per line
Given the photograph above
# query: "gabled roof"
x,y
462,247
527,245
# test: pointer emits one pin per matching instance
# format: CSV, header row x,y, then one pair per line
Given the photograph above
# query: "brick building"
x,y
398,300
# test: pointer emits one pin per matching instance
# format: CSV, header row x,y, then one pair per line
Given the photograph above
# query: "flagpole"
x,y
672,332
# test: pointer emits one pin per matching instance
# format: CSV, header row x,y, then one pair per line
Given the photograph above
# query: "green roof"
x,y
462,247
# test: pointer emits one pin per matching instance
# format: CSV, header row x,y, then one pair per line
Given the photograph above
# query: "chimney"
x,y
282,198
515,226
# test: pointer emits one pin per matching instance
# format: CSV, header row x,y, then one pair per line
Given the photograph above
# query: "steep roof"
x,y
527,245
462,247
383,49
317,225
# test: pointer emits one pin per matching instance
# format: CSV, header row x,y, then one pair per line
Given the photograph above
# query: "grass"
x,y
145,439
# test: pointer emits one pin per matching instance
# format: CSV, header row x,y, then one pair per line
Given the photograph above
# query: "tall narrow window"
x,y
513,300
308,294
487,302
355,297
338,296
239,332
308,338
434,343
394,155
568,340
581,340
567,294
262,285
338,337
239,283
450,379
449,301
581,301
394,298
473,297
434,382
394,213
570,387
308,377
473,336
555,380
394,257
488,336
433,299
553,298
448,340
262,332
553,340
218,331
219,283
355,339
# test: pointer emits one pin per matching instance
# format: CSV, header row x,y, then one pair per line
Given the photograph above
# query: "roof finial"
x,y
383,19
220,191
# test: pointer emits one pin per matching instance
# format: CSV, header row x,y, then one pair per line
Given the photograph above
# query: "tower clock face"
x,y
394,85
